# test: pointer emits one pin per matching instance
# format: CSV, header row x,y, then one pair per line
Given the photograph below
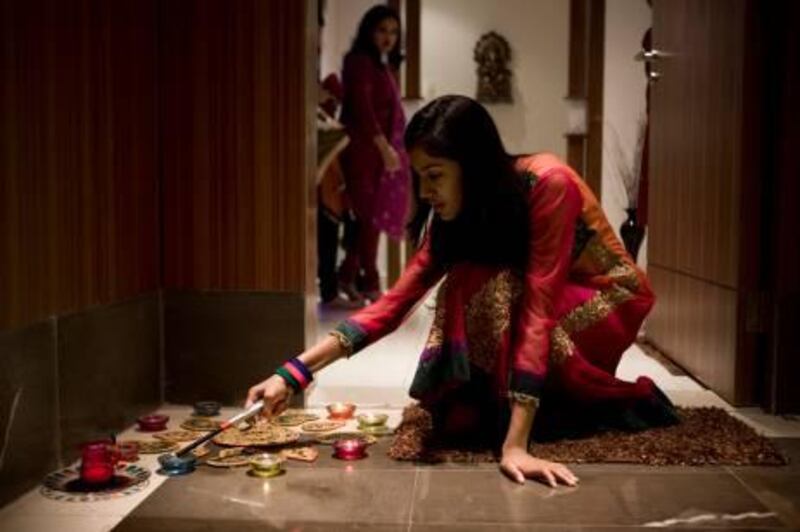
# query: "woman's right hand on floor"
x,y
518,465
275,393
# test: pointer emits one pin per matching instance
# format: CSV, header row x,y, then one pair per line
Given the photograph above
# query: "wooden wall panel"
x,y
704,199
697,321
78,194
697,109
234,143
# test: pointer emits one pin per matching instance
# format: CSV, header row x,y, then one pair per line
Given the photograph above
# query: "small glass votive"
x,y
341,410
372,420
173,465
350,449
266,465
153,423
207,408
97,463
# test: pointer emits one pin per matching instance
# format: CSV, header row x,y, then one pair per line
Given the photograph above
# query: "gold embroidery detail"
x,y
561,346
595,309
436,334
488,317
344,343
604,258
624,275
524,399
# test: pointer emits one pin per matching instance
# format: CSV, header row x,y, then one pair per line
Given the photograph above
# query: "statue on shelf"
x,y
492,53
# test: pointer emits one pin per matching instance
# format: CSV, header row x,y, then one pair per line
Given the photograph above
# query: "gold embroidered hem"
x,y
436,334
488,318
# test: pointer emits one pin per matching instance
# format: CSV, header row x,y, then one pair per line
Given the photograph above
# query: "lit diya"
x,y
372,419
266,465
341,410
350,449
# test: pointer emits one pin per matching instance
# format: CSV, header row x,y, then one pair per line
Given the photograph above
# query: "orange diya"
x,y
340,410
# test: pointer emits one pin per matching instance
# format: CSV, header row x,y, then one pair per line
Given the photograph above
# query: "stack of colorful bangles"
x,y
296,374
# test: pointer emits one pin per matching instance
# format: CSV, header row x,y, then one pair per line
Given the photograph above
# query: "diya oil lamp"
x,y
207,408
340,410
266,465
97,462
371,420
173,465
350,449
153,422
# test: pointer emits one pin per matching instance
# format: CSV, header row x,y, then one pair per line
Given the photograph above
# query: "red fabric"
x,y
555,205
595,295
385,315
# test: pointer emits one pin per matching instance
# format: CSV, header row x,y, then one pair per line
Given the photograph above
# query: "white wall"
x,y
341,22
623,99
538,32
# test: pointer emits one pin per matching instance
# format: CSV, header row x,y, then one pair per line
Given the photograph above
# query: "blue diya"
x,y
173,466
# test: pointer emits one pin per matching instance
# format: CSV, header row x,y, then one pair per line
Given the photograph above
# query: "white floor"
x,y
377,378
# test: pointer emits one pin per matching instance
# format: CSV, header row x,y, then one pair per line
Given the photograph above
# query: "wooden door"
x,y
704,219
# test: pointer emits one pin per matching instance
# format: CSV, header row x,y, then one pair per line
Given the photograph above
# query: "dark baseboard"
x,y
218,344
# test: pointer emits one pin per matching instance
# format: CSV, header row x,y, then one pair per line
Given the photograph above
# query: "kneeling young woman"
x,y
537,304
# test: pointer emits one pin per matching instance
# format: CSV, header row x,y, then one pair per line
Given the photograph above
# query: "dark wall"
x,y
79,269
154,201
233,114
78,196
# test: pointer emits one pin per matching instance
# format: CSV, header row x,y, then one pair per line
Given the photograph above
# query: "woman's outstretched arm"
x,y
358,331
276,392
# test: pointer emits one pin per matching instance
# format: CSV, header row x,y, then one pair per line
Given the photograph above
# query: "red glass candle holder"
x,y
349,449
97,462
341,410
153,423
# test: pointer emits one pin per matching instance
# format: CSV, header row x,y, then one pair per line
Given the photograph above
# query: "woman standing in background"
x,y
375,163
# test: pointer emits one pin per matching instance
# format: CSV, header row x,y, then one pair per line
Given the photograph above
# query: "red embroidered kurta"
x,y
568,319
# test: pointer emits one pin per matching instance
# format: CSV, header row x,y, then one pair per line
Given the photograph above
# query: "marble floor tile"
x,y
60,523
334,496
602,499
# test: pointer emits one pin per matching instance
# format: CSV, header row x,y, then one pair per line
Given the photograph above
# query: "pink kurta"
x,y
372,107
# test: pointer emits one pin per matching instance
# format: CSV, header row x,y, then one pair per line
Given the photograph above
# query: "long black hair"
x,y
492,226
365,38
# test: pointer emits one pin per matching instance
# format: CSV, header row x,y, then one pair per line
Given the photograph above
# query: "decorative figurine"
x,y
492,53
